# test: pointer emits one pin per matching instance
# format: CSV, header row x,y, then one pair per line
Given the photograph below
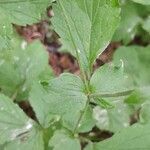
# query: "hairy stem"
x,y
117,94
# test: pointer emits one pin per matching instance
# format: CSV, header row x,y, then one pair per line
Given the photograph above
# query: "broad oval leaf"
x,y
63,97
86,27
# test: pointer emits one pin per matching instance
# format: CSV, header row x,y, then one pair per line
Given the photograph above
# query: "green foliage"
x,y
113,119
137,69
67,107
139,72
100,21
17,130
61,140
20,66
129,23
64,94
34,141
135,137
146,24
134,22
114,83
144,2
19,12
144,113
14,125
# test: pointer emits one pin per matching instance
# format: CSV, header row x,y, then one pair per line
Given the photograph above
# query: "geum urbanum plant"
x,y
64,105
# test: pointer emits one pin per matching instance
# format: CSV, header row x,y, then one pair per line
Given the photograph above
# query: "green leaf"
x,y
30,141
145,112
64,96
39,100
21,66
103,103
13,122
87,122
130,21
62,141
110,81
113,119
19,12
86,27
146,25
76,124
136,63
134,137
139,96
24,12
90,146
5,42
139,72
144,2
144,108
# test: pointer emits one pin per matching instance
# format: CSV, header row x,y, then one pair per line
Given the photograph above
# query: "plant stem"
x,y
82,114
117,94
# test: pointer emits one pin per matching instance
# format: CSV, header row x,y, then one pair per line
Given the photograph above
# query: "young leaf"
x,y
13,122
110,81
134,137
86,27
62,141
19,67
64,96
